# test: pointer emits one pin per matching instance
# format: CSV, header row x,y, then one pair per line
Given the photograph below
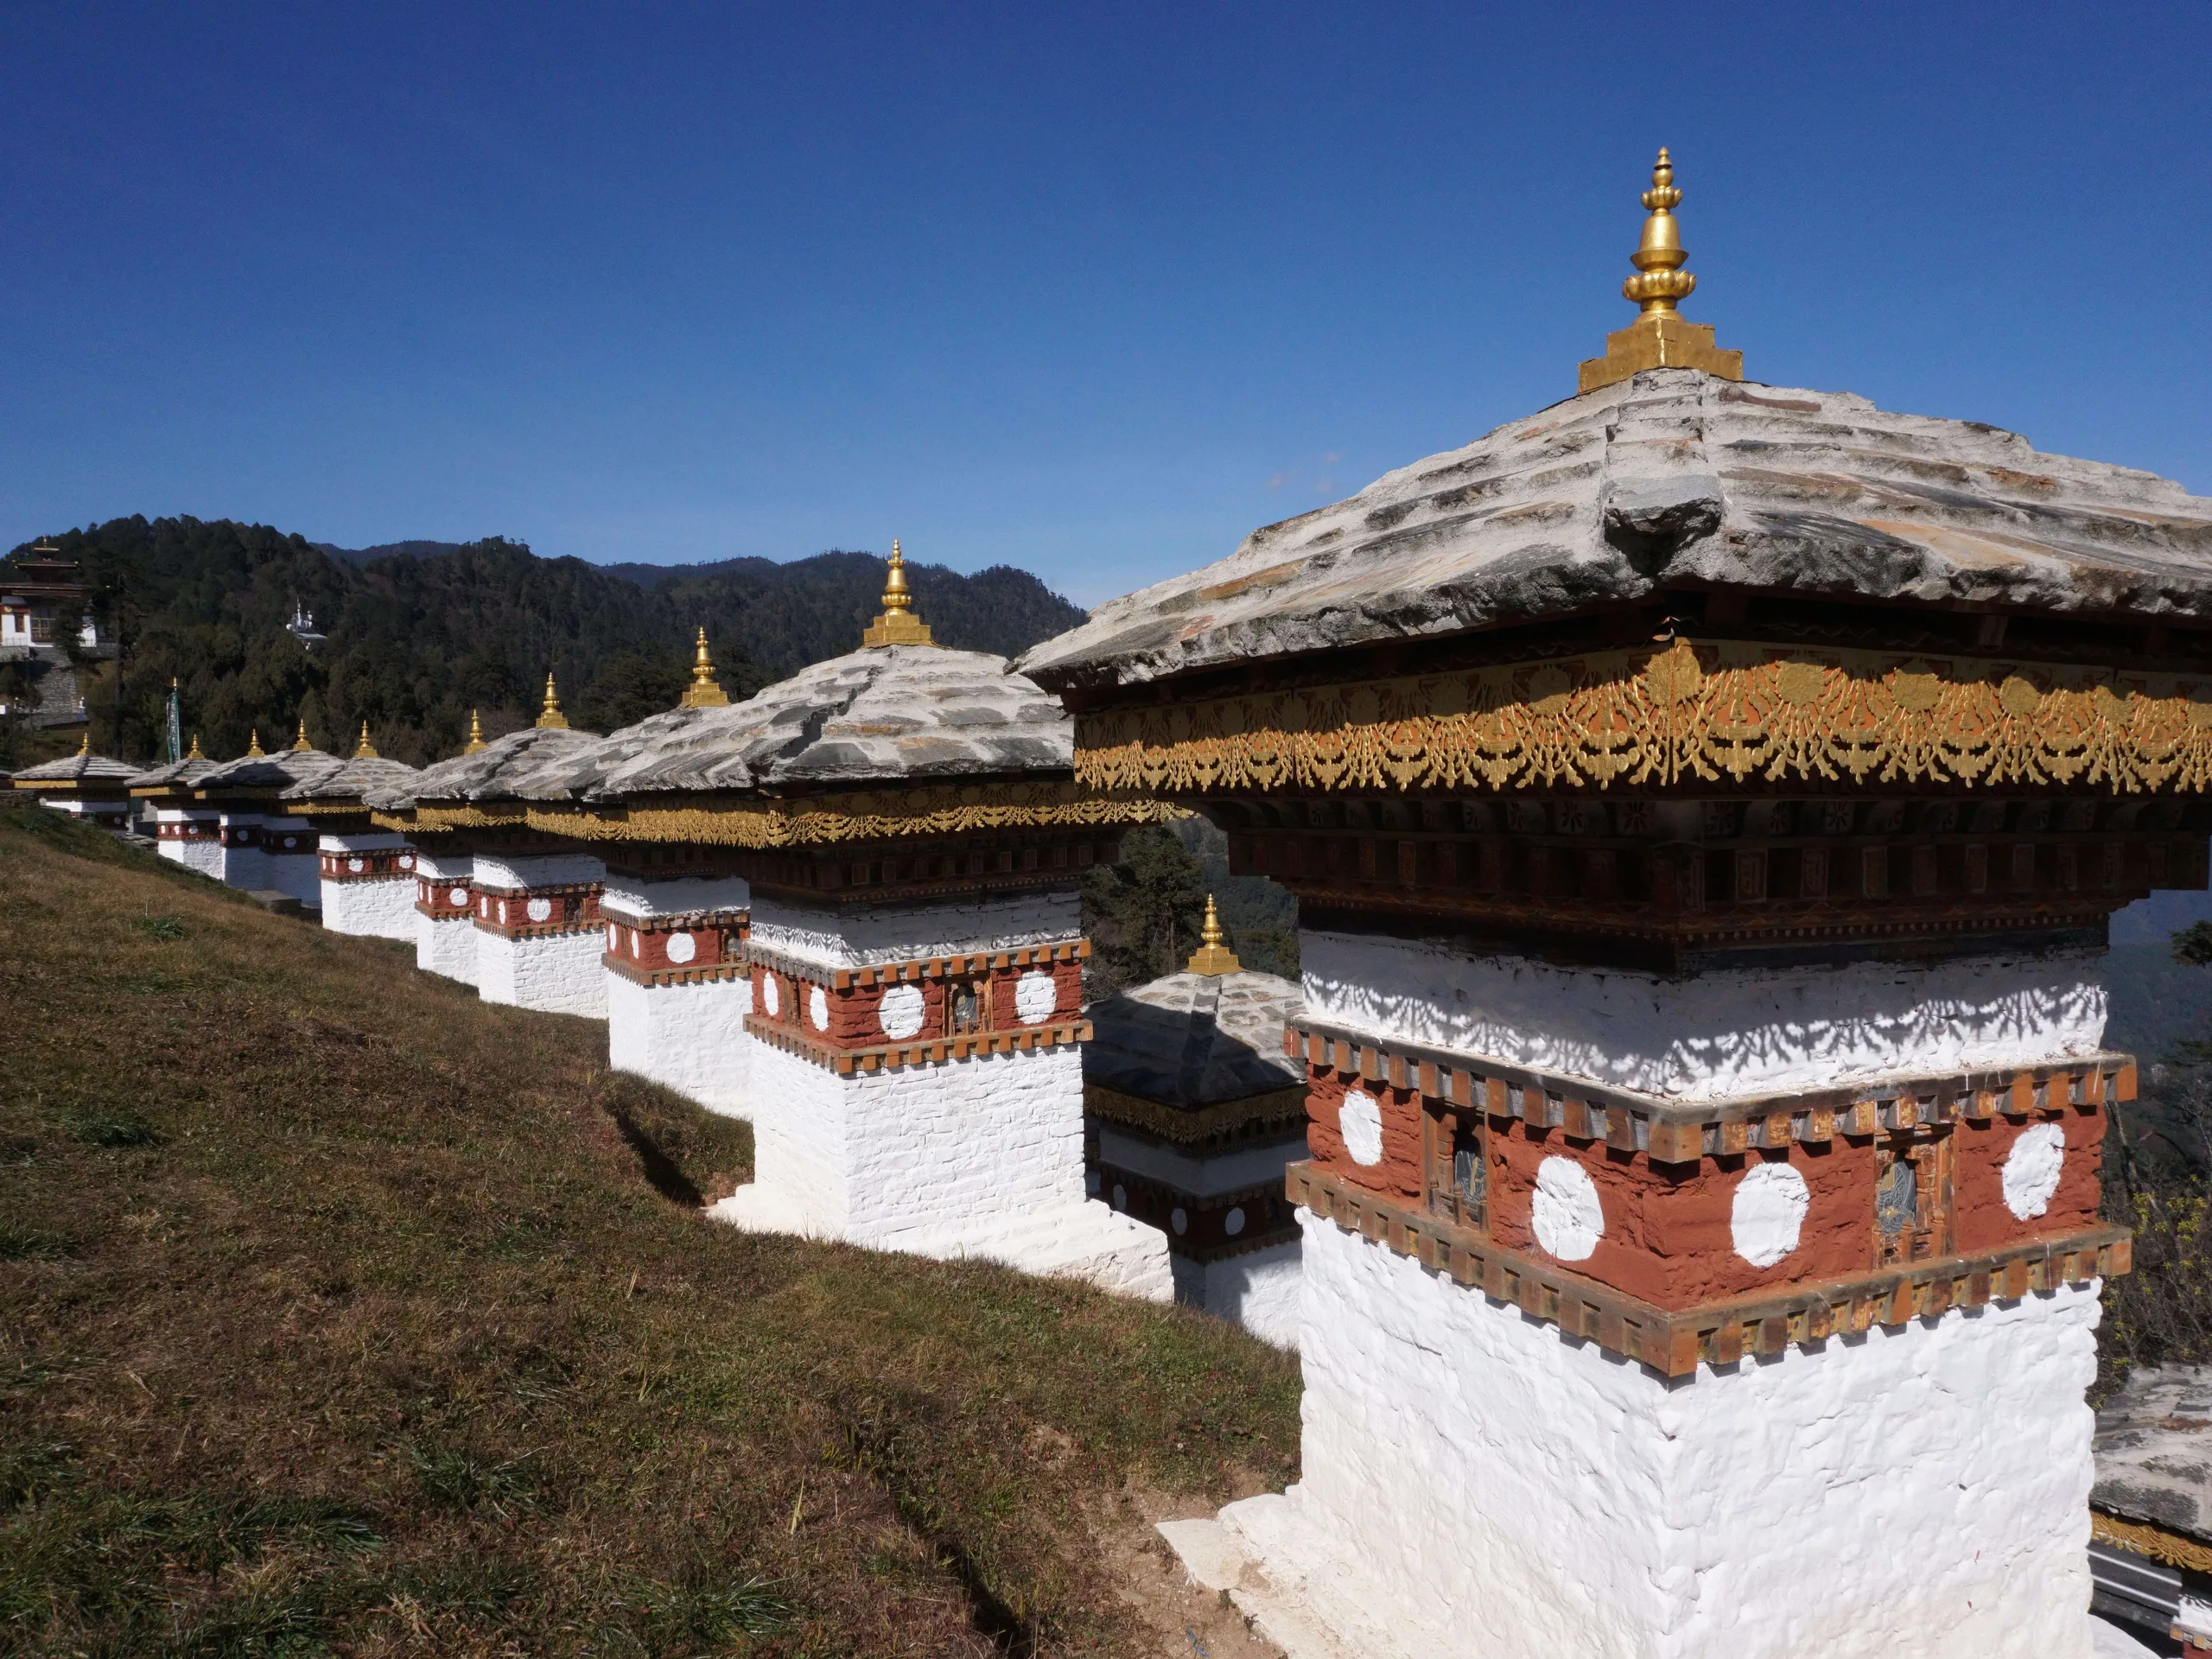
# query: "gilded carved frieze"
x,y
1706,712
872,816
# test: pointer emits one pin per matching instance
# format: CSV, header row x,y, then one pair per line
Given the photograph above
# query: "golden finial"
x,y
1212,955
253,749
195,754
1659,338
301,743
365,750
705,691
475,734
898,625
550,718
85,744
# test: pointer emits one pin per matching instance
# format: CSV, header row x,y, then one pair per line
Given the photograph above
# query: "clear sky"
x,y
1091,290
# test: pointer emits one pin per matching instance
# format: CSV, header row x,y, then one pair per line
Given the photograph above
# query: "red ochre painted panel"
x,y
1984,1221
1398,1174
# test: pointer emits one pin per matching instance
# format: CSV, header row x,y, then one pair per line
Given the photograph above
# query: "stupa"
x,y
1194,1112
905,825
264,849
677,988
367,873
1704,800
535,913
84,785
186,831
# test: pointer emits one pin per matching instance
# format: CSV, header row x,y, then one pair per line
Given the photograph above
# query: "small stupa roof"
x,y
485,774
174,774
81,768
1195,1039
354,780
270,774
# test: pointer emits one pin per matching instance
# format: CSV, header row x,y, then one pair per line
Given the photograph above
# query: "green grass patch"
x,y
341,1312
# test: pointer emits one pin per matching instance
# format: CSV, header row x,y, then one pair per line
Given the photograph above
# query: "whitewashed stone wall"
x,y
244,867
631,899
1472,1482
202,857
905,932
1258,1290
381,909
557,972
690,1037
1713,1035
446,947
514,874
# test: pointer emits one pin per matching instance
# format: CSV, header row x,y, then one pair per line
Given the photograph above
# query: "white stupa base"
x,y
1257,1290
552,973
295,874
1475,1483
446,946
375,910
687,1038
200,857
1085,1241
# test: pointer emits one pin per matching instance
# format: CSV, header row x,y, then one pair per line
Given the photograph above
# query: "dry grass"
x,y
340,1313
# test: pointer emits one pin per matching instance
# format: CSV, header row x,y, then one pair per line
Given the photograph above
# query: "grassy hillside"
x,y
419,633
339,1312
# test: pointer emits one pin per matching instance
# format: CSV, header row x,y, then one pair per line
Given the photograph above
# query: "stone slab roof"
x,y
888,714
2154,1450
573,773
1671,478
490,774
78,769
176,772
353,781
1191,1041
267,773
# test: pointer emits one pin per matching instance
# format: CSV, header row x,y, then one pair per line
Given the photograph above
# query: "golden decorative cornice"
x,y
1660,338
886,815
2140,1538
1273,1115
1710,712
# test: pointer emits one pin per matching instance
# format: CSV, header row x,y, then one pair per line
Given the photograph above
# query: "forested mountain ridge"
x,y
416,641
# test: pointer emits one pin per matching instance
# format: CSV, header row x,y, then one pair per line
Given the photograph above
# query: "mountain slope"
x,y
420,635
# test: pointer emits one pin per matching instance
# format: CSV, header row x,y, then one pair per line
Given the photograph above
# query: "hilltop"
x,y
340,1310
419,633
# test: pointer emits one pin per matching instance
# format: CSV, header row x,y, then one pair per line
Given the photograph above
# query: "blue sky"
x,y
1091,290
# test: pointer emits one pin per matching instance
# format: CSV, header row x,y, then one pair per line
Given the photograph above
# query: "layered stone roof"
x,y
175,775
1193,1040
488,774
266,774
78,769
1671,478
2154,1451
355,780
884,714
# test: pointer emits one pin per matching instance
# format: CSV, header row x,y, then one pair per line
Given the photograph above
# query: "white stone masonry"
x,y
555,973
910,932
382,908
1474,1483
688,1037
447,945
202,856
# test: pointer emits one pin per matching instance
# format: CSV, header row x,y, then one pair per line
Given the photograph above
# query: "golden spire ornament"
x,y
475,734
1659,338
365,750
253,749
705,691
1213,955
194,754
550,718
301,743
85,744
898,625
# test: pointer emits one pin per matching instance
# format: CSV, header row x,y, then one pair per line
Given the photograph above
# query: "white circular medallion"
x,y
1035,997
407,861
1566,1215
899,1014
817,1009
2031,1169
770,998
458,897
1359,1120
1768,1213
1233,1222
357,865
611,940
541,910
1179,1221
682,947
